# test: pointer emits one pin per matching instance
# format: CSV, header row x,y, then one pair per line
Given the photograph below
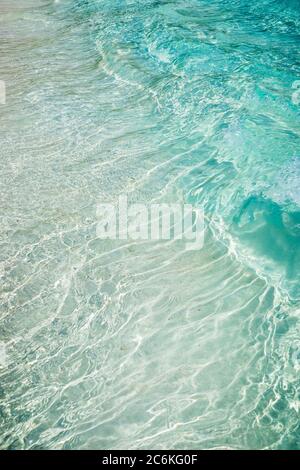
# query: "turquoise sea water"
x,y
123,344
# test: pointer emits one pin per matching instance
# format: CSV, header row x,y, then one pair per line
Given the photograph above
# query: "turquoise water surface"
x,y
144,345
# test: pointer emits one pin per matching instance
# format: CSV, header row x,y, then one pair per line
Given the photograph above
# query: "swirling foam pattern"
x,y
112,344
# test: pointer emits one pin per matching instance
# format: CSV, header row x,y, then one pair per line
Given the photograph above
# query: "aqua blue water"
x,y
121,344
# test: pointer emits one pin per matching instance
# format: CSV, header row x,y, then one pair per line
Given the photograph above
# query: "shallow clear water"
x,y
112,344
